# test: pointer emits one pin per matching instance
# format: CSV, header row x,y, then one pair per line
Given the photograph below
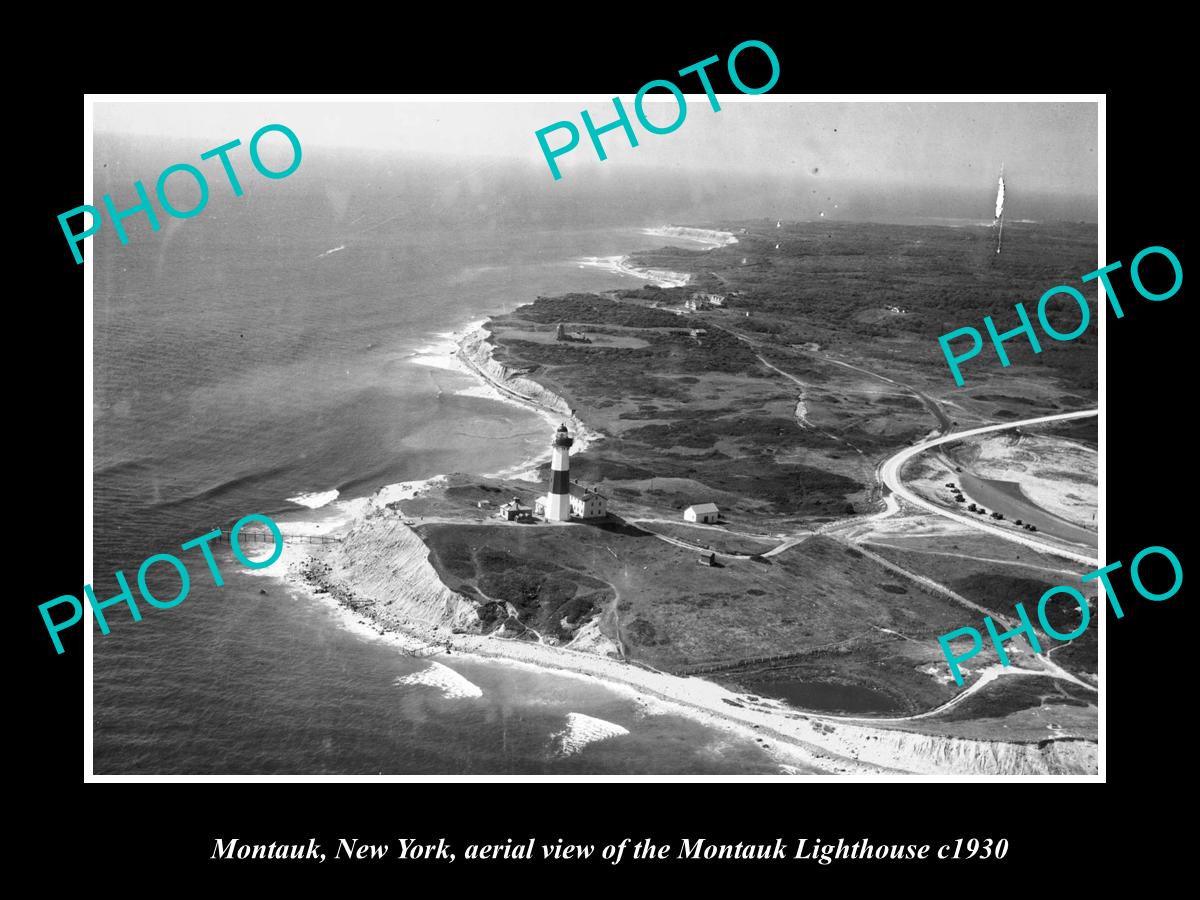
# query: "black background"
x,y
145,831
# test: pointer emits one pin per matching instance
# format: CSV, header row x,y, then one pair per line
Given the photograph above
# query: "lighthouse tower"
x,y
558,501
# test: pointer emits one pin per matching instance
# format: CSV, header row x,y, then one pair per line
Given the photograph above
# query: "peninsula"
x,y
796,499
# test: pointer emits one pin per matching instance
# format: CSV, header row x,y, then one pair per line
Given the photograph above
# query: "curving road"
x,y
889,474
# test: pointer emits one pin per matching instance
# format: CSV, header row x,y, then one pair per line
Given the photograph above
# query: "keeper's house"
x,y
702,512
584,503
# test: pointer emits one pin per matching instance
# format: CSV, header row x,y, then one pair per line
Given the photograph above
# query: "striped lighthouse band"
x,y
560,464
560,482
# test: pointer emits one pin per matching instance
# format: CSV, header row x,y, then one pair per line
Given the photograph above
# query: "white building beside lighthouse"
x,y
586,503
566,500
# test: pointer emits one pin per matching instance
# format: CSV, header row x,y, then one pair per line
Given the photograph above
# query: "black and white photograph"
x,y
536,448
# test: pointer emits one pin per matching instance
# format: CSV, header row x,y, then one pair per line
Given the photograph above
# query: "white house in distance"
x,y
702,512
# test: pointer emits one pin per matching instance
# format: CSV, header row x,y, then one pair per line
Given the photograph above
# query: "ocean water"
x,y
284,353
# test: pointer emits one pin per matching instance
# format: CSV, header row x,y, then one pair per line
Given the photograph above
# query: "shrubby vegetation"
x,y
943,278
593,308
544,594
696,403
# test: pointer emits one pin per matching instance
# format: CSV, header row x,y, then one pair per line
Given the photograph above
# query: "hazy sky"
x,y
1047,148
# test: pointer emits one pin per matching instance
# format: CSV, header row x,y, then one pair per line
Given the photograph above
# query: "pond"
x,y
825,696
1006,497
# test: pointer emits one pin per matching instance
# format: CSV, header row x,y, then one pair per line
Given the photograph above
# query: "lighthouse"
x,y
558,501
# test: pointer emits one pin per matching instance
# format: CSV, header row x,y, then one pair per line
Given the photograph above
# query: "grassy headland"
x,y
818,360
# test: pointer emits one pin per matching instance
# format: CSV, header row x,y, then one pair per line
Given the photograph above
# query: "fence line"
x,y
246,536
730,665
737,664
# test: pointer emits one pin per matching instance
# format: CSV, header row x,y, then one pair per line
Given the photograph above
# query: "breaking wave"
x,y
316,499
582,730
445,679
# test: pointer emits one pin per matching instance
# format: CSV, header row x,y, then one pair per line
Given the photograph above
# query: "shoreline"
x,y
656,692
541,658
449,354
708,238
619,265
711,236
471,358
829,744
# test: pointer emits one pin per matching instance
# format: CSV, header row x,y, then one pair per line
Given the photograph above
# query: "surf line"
x,y
126,596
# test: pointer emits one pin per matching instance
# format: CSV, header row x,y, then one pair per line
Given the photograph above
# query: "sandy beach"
x,y
707,238
621,266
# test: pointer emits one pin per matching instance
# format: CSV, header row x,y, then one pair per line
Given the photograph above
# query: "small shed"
x,y
513,511
702,512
